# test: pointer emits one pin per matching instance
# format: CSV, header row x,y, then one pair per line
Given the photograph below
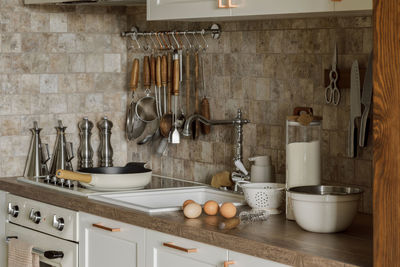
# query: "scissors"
x,y
332,93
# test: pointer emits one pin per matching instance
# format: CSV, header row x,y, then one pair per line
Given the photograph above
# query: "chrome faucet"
x,y
241,173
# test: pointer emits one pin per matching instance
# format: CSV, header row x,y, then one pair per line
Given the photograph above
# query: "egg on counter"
x,y
192,210
211,207
187,202
228,210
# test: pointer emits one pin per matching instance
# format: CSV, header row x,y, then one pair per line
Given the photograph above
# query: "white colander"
x,y
264,196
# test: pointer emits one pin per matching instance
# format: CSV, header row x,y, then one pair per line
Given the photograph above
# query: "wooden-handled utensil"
x,y
146,72
205,105
196,125
164,73
158,84
75,176
175,138
166,78
187,82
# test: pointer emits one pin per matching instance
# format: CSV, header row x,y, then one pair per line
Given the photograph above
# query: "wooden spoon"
x,y
166,119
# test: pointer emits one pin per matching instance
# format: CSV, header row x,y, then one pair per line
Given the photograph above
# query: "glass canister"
x,y
303,151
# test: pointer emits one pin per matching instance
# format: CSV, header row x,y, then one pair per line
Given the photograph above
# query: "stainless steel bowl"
x,y
326,190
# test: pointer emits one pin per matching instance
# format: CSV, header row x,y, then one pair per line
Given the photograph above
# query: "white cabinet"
x,y
163,250
108,243
185,9
353,5
242,260
3,218
281,7
201,9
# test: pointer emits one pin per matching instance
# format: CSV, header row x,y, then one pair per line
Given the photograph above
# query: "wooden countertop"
x,y
275,239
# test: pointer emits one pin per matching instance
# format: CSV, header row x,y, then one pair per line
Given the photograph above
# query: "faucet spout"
x,y
186,128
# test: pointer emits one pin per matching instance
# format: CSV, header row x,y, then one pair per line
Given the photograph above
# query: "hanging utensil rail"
x,y
170,40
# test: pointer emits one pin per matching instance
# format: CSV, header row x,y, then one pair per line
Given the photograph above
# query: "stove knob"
x,y
13,210
35,216
58,223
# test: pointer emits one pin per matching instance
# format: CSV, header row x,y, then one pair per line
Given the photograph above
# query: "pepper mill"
x,y
105,150
85,150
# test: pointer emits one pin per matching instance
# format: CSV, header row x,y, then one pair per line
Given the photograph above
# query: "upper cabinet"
x,y
353,5
186,9
281,7
227,9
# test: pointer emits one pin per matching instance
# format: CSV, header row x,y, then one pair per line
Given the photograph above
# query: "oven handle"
x,y
49,254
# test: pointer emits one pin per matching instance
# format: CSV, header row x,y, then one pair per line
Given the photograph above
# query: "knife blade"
x,y
355,107
366,101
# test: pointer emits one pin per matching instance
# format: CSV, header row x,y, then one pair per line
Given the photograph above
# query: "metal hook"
x,y
165,44
187,40
197,41
152,40
205,41
182,46
146,46
176,41
134,38
159,41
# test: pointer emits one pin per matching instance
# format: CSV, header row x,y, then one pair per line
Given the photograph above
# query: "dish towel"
x,y
20,254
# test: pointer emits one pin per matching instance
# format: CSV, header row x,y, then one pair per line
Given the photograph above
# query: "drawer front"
x,y
243,260
163,250
106,242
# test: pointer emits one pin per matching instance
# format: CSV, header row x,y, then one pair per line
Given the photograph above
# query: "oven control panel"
x,y
43,217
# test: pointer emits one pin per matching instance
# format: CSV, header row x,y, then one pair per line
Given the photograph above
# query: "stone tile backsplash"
x,y
59,63
65,62
266,68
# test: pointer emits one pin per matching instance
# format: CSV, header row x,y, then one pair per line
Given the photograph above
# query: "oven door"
x,y
44,243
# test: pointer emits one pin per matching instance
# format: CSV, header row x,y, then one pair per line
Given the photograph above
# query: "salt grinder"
x,y
85,150
105,150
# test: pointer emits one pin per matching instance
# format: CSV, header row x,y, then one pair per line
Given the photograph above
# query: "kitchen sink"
x,y
163,200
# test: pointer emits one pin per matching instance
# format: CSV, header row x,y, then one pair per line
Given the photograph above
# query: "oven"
x,y
52,251
51,230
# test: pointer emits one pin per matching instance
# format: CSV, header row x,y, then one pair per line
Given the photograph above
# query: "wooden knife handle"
x,y
175,79
205,112
164,70
158,72
153,69
70,175
134,75
146,72
169,69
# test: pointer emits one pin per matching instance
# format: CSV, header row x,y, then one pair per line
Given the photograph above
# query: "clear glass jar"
x,y
303,152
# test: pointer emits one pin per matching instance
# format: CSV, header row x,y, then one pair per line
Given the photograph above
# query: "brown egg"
x,y
192,210
211,207
228,210
187,202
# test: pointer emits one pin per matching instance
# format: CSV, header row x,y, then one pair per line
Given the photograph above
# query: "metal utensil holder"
x,y
171,40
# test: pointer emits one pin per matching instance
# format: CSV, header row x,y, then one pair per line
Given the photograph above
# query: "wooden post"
x,y
386,128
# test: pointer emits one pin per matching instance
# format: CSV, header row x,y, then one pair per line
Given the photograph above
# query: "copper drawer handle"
x,y
98,225
220,5
229,5
187,250
227,263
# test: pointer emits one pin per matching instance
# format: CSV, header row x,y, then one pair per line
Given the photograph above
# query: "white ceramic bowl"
x,y
264,196
324,209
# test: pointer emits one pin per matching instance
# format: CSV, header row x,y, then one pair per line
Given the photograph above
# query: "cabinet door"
x,y
353,5
243,260
185,9
116,244
159,254
281,7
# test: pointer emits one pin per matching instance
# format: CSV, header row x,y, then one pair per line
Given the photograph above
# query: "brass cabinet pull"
x,y
98,225
187,250
227,263
220,5
229,5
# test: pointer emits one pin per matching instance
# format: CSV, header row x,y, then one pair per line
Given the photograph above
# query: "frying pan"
x,y
133,176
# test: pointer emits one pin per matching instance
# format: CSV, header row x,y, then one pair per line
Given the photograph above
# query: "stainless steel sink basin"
x,y
163,200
